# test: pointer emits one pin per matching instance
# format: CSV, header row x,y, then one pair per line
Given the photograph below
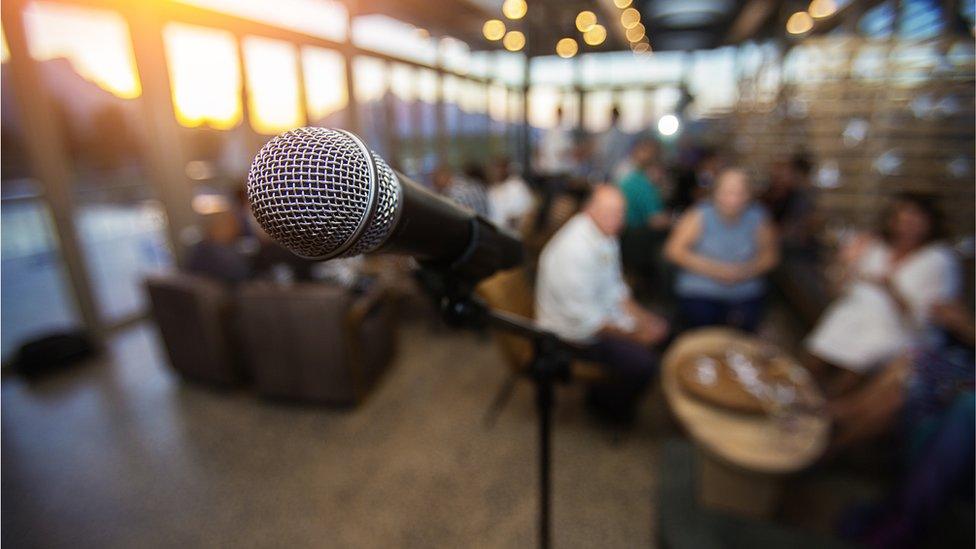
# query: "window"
x,y
325,86
204,75
273,90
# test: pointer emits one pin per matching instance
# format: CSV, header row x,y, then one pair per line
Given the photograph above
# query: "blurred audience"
x,y
511,202
724,247
890,283
468,190
581,296
218,255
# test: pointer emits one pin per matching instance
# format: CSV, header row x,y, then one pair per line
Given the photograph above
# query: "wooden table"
x,y
745,457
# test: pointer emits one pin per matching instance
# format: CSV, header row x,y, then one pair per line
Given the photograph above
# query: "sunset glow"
x,y
204,75
95,42
274,98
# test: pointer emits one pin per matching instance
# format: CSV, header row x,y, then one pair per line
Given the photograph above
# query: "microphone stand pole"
x,y
550,363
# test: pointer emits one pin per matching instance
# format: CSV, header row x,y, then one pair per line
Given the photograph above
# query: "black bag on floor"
x,y
53,352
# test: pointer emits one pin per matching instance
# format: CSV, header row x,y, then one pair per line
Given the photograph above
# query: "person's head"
x,y
442,178
223,227
800,168
709,161
911,220
644,152
606,207
500,169
732,191
475,172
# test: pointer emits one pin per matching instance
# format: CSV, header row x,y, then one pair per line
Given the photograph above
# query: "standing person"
x,y
646,219
581,296
724,247
555,156
613,147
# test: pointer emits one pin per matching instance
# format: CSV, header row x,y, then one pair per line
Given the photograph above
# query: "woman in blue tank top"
x,y
724,247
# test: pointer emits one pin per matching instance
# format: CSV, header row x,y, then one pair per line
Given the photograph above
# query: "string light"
x,y
635,33
629,18
799,23
514,41
493,29
585,20
822,8
595,36
566,48
514,9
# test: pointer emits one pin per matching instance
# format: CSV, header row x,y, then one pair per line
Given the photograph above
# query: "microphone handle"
x,y
447,237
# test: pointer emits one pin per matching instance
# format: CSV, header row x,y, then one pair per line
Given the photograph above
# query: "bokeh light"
x,y
493,29
205,76
585,20
566,48
514,9
595,36
514,41
799,23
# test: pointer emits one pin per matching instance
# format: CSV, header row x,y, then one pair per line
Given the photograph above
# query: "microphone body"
x,y
323,194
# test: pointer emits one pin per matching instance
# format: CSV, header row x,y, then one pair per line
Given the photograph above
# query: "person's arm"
x,y
767,254
679,249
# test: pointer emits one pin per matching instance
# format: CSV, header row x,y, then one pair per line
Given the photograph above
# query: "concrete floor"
x,y
123,454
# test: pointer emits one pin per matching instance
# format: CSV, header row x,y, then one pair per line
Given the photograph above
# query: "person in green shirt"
x,y
645,207
646,220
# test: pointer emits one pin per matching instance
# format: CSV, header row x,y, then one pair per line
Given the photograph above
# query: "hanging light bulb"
x,y
629,18
585,20
493,29
566,48
822,8
799,23
513,41
595,36
514,9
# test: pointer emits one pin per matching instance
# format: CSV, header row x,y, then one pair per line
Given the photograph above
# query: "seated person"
x,y
932,392
890,287
581,296
511,202
217,255
724,247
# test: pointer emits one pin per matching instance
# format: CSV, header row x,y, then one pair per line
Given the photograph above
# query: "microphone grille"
x,y
322,194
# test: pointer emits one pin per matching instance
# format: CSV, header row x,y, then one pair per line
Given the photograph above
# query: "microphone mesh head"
x,y
322,194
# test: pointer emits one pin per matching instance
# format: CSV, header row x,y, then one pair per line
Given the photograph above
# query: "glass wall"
x,y
87,66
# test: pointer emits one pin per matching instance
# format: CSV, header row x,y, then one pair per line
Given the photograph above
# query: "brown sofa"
x,y
194,318
315,342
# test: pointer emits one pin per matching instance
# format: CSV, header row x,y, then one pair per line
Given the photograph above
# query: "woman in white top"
x,y
892,284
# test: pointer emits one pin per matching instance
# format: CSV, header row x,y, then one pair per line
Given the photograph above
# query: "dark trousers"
x,y
697,312
630,367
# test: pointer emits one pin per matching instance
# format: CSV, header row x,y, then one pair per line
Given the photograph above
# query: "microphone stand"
x,y
550,363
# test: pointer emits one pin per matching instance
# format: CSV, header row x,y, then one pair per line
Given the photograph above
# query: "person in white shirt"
x,y
511,201
554,156
892,285
581,296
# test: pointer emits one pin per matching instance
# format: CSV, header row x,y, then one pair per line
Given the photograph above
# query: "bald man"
x,y
582,297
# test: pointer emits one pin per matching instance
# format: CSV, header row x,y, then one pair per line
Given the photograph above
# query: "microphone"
x,y
323,194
